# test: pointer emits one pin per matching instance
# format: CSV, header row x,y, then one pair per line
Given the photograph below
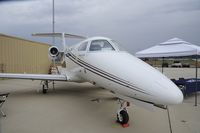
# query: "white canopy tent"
x,y
172,48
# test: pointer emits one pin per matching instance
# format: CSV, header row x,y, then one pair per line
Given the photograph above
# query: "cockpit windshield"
x,y
117,45
101,45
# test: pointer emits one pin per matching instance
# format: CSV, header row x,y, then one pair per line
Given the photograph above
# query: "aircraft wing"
x,y
34,76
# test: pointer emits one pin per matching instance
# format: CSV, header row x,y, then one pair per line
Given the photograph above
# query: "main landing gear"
x,y
45,85
122,113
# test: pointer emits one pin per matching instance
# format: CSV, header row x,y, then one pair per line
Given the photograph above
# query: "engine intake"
x,y
55,54
53,51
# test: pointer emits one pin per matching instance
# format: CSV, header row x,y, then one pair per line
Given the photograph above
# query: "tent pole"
x,y
162,63
196,82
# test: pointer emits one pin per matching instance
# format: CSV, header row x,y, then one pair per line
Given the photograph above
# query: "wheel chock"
x,y
125,125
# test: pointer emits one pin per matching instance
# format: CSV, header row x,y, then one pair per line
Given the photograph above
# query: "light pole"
x,y
53,21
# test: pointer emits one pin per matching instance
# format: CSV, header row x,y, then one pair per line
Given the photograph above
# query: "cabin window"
x,y
100,45
83,46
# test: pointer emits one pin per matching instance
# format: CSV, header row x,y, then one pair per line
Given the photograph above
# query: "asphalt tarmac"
x,y
71,108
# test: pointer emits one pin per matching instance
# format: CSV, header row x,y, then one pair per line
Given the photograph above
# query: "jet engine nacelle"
x,y
55,54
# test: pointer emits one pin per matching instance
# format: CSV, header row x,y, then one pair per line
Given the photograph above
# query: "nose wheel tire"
x,y
122,117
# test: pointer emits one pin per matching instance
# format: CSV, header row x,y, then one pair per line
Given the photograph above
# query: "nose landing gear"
x,y
122,113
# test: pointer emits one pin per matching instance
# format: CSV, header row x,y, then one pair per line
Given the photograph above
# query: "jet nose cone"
x,y
176,96
168,93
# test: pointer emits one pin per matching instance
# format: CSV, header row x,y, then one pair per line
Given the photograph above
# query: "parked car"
x,y
177,64
186,65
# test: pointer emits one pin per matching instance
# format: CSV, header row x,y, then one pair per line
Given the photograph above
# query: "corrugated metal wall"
x,y
23,56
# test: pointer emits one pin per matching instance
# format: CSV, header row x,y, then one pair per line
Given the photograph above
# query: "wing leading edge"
x,y
34,76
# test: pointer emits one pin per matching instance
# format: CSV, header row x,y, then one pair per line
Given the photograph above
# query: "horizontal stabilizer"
x,y
59,35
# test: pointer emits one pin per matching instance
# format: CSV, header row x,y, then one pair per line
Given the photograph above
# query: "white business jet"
x,y
102,62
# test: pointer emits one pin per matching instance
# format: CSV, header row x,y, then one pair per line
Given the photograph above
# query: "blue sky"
x,y
136,24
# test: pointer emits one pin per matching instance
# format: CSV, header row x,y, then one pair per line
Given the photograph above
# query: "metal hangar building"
x,y
19,55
